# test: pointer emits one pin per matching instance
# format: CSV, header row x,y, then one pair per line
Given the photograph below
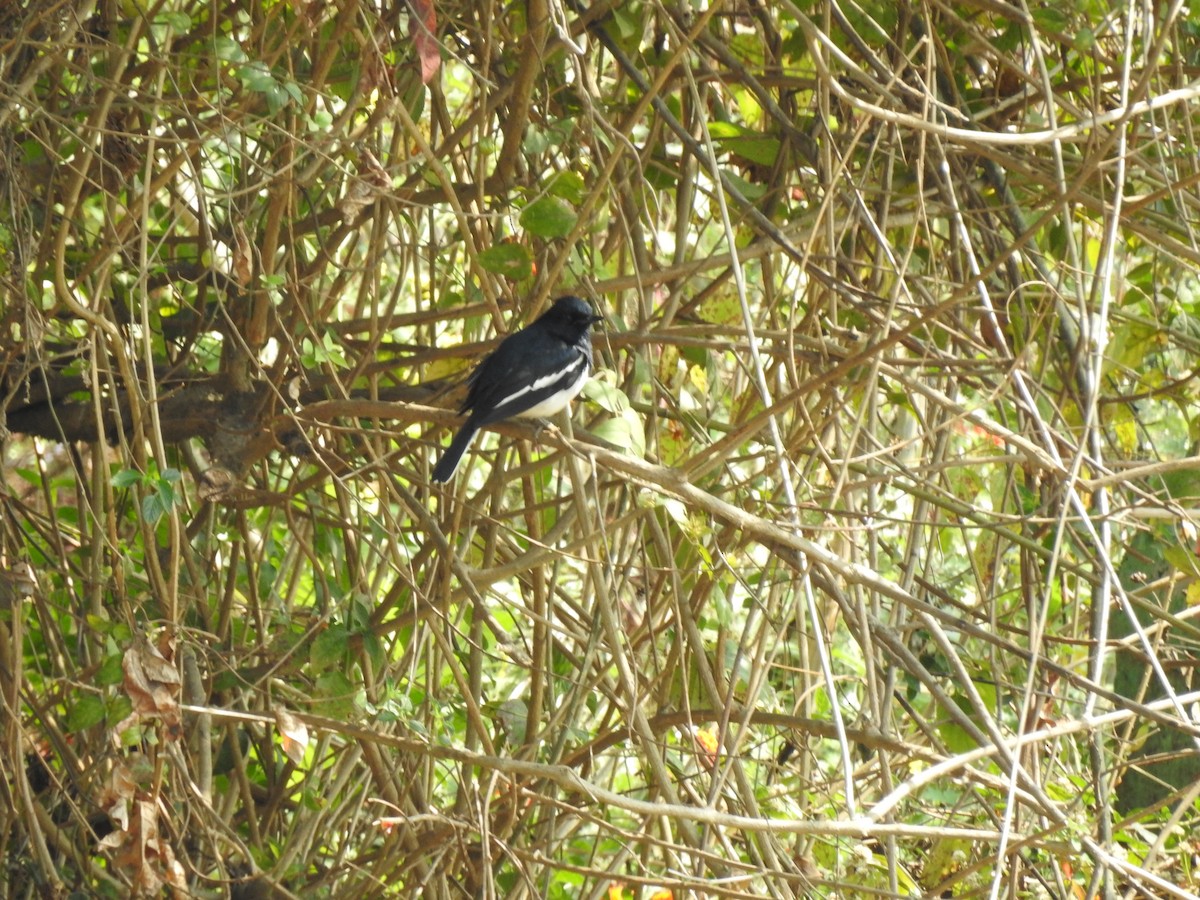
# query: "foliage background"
x,y
867,567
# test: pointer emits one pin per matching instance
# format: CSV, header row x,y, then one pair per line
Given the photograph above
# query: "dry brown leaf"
x,y
293,735
152,682
243,256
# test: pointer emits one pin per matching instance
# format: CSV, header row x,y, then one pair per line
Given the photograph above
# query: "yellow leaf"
x,y
1193,594
1125,430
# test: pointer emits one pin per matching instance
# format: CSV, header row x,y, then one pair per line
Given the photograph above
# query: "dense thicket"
x,y
867,563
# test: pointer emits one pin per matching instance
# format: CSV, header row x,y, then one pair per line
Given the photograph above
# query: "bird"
x,y
534,373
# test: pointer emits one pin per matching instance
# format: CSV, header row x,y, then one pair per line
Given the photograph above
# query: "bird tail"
x,y
447,465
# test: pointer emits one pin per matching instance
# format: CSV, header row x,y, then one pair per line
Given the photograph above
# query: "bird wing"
x,y
513,365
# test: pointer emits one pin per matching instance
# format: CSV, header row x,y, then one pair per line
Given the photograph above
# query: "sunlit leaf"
x,y
548,217
508,259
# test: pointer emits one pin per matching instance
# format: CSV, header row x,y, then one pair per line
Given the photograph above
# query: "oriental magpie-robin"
x,y
535,372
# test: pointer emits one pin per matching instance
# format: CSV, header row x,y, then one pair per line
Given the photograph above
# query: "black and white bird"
x,y
534,373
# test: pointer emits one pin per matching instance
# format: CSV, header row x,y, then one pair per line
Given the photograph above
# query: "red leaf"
x,y
424,30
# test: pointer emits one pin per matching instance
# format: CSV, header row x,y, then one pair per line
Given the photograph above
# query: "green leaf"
x,y
624,431
152,508
1047,18
375,650
166,494
110,671
548,217
1183,560
747,189
87,711
539,139
761,150
329,647
956,738
628,24
336,696
514,714
606,395
229,50
277,97
507,259
569,186
748,48
745,142
179,21
27,475
721,309
118,711
718,130
1009,39
257,77
326,351
126,478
